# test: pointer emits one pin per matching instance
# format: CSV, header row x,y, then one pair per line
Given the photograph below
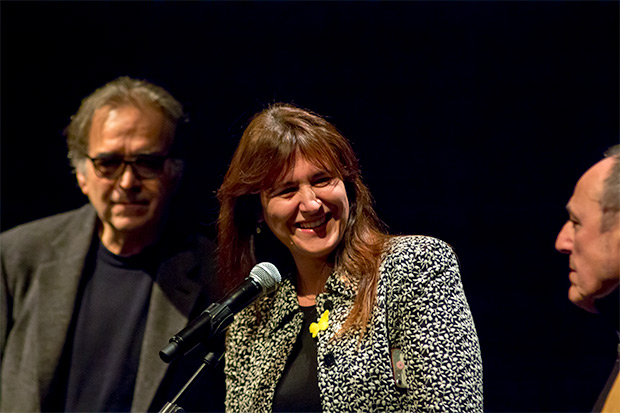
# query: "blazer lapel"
x,y
173,296
59,281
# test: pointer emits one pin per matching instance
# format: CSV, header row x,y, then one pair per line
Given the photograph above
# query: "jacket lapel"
x,y
173,297
59,280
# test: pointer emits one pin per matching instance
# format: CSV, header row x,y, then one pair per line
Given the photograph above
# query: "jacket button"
x,y
329,360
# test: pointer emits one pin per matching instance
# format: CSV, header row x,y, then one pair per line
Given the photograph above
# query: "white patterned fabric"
x,y
421,309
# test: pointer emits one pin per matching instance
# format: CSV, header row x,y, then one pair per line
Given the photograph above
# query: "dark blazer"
x,y
41,267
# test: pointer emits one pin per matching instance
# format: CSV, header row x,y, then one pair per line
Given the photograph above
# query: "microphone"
x,y
262,279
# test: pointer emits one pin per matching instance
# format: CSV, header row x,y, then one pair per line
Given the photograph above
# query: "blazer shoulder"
x,y
33,237
48,225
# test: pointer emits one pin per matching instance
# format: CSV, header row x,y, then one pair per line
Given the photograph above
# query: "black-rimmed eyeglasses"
x,y
143,166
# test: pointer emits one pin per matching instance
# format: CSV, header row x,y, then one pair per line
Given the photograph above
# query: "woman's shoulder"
x,y
417,245
417,257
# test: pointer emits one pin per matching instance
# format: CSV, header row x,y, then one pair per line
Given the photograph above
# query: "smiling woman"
x,y
365,321
308,214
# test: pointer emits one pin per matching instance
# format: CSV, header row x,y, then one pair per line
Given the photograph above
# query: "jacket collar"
x,y
283,304
339,284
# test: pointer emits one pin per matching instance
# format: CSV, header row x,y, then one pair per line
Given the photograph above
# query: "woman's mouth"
x,y
313,224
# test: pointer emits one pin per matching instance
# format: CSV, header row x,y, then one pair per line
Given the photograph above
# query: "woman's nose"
x,y
309,202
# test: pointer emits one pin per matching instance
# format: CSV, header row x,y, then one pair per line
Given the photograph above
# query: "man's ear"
x,y
81,179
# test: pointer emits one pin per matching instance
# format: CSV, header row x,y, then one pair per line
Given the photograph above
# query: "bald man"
x,y
591,239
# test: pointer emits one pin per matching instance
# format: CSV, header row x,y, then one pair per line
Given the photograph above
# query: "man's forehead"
x,y
148,119
589,188
110,112
100,115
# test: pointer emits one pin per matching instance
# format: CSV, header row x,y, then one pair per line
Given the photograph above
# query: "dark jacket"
x,y
41,266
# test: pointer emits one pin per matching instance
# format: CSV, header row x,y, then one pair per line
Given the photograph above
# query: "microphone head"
x,y
267,275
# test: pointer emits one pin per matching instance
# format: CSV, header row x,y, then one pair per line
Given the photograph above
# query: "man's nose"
x,y
309,202
564,241
128,178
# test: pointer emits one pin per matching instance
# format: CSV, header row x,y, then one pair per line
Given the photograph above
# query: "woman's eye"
x,y
284,191
323,181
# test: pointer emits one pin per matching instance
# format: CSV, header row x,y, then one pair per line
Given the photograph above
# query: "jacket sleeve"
x,y
5,305
430,322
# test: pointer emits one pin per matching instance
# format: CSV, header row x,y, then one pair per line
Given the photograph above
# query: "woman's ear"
x,y
260,221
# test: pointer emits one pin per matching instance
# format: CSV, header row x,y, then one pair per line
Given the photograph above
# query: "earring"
x,y
259,228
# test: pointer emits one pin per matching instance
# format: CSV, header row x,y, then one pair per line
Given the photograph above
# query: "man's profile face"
x,y
593,255
128,204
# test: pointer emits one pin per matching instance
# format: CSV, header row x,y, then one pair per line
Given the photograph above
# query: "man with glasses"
x,y
89,297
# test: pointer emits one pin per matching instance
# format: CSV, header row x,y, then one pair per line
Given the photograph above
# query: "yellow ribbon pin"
x,y
321,325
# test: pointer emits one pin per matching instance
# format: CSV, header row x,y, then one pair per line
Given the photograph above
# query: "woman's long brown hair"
x,y
266,153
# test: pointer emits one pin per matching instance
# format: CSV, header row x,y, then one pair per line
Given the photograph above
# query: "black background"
x,y
472,121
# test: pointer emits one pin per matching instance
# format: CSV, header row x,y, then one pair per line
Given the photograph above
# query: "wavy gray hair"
x,y
119,92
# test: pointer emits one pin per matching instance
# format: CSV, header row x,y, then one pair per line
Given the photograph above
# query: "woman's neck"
x,y
311,278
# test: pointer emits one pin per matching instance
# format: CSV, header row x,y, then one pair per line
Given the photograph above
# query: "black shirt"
x,y
298,388
111,319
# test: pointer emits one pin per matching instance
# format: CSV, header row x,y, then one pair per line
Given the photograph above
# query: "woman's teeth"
x,y
313,224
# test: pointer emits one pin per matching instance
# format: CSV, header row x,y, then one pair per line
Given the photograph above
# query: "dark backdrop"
x,y
472,121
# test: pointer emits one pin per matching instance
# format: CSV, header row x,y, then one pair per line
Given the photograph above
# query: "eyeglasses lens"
x,y
144,166
149,167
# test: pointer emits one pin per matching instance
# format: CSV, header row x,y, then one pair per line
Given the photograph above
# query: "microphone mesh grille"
x,y
266,274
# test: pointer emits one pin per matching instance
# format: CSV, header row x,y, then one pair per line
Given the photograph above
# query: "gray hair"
x,y
610,200
119,92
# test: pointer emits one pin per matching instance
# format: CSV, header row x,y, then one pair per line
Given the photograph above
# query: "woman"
x,y
365,321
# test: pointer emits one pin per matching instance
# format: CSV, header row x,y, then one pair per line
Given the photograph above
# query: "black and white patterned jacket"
x,y
421,309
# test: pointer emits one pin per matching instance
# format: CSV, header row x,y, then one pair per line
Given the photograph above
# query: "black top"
x,y
298,389
111,319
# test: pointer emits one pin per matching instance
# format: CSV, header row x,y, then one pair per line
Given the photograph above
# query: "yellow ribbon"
x,y
321,325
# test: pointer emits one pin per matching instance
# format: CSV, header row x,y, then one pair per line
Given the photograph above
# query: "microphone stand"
x,y
218,315
211,360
